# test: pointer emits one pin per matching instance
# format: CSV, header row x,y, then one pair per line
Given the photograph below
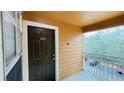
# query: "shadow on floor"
x,y
82,76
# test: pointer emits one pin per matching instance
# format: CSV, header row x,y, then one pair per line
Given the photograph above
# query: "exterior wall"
x,y
70,56
16,73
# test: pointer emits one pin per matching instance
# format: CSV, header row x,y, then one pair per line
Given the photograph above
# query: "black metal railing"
x,y
104,67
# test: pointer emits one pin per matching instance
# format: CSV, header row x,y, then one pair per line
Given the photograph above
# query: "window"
x,y
12,36
9,37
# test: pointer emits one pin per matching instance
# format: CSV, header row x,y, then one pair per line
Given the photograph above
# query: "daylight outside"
x,y
103,53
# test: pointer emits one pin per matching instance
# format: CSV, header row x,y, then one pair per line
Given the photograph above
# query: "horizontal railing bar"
x,y
103,55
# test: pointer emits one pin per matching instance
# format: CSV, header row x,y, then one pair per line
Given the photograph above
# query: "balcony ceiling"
x,y
79,18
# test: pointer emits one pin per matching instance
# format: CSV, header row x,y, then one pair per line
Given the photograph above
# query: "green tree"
x,y
105,42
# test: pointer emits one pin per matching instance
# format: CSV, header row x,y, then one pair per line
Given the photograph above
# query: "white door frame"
x,y
25,62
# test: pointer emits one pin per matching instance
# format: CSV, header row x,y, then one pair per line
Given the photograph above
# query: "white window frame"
x,y
15,59
25,61
1,53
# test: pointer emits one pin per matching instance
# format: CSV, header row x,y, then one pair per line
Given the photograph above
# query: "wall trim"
x,y
25,68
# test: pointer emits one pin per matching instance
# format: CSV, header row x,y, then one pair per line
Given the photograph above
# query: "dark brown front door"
x,y
41,51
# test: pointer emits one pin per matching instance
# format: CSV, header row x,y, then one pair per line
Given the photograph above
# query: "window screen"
x,y
10,37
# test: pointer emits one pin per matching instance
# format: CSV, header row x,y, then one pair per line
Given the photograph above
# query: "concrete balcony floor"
x,y
82,76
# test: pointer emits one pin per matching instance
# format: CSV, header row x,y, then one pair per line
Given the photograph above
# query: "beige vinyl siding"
x,y
70,56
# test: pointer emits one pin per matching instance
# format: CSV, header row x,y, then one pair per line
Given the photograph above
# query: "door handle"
x,y
53,55
54,58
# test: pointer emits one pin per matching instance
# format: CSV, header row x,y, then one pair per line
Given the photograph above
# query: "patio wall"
x,y
70,56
